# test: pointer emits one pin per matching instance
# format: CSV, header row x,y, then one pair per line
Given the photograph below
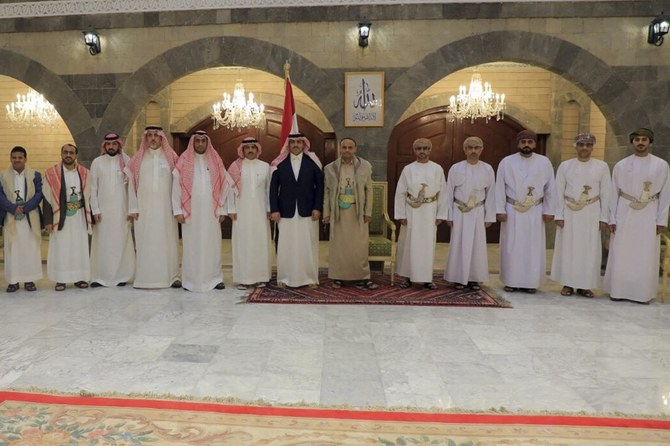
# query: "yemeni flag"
x,y
289,120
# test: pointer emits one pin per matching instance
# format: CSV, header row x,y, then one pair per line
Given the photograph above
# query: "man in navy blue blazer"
x,y
296,202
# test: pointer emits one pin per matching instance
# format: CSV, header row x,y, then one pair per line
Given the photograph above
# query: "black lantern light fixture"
x,y
363,32
657,29
92,40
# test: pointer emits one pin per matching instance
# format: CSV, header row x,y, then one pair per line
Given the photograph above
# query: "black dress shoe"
x,y
220,286
176,284
95,285
121,284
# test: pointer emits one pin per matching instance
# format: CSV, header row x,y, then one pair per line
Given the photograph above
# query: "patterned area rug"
x,y
445,294
29,419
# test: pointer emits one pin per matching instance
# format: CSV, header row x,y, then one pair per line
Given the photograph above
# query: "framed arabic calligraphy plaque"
x,y
364,99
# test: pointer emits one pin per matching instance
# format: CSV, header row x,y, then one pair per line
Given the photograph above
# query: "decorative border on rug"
x,y
349,294
343,414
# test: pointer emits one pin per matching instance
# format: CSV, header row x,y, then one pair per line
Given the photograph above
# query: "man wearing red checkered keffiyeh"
x,y
199,190
150,205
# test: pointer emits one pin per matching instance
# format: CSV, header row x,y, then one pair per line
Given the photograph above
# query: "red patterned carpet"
x,y
444,295
31,419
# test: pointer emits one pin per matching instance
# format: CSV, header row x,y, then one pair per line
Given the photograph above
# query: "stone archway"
x,y
604,86
205,53
53,87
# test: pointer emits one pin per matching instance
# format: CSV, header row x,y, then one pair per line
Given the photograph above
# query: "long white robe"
x,y
68,259
298,246
467,260
112,249
522,237
578,247
23,258
416,242
201,234
252,243
633,262
156,233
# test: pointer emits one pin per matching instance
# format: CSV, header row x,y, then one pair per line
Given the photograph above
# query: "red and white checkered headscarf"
x,y
136,161
235,169
217,174
123,158
284,152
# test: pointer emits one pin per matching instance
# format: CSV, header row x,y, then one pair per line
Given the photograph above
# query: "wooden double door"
x,y
447,137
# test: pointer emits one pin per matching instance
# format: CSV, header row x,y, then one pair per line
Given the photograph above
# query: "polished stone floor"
x,y
547,353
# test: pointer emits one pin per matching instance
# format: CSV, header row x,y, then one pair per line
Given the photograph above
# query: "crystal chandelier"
x,y
32,110
238,111
478,102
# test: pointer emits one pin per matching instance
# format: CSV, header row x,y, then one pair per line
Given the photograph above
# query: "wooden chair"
x,y
665,266
382,244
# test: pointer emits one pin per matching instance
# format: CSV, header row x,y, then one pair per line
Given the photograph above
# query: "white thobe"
x,y
156,232
634,254
23,259
298,246
467,260
252,244
201,234
522,237
68,259
112,250
416,241
578,247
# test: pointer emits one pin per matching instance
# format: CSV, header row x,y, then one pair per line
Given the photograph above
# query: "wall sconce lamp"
x,y
92,40
363,32
657,29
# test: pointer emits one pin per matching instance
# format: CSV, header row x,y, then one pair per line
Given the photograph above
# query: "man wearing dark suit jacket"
x,y
296,202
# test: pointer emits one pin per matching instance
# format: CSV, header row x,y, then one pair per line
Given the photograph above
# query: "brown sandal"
x,y
60,286
585,293
459,286
567,291
81,284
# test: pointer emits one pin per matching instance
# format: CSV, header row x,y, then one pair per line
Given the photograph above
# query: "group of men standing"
x,y
156,190
582,199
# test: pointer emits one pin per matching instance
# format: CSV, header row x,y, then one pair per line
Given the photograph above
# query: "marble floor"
x,y
547,353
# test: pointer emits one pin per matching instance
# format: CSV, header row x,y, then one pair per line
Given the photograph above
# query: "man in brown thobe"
x,y
347,207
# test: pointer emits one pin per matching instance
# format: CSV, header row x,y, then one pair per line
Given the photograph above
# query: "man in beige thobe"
x,y
347,207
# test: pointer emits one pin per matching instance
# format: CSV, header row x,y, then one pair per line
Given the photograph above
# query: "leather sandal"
x,y
336,284
220,286
60,286
567,291
474,286
176,284
510,289
459,286
406,284
81,284
430,285
370,285
367,284
30,286
585,293
12,287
